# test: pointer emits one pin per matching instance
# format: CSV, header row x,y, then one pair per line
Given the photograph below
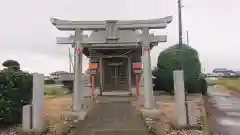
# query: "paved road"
x,y
107,117
224,112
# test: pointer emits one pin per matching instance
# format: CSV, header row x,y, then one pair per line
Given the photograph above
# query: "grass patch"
x,y
54,90
229,83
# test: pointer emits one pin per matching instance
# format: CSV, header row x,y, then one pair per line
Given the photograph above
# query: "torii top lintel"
x,y
66,25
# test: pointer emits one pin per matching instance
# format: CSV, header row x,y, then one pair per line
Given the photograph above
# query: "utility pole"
x,y
180,22
180,37
181,60
187,37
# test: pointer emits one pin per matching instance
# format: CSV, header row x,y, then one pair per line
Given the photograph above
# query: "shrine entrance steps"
x,y
112,115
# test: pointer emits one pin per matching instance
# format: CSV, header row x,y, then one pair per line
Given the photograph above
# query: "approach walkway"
x,y
112,116
223,112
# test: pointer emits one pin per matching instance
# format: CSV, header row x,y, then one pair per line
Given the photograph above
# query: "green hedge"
x,y
168,61
49,81
68,85
15,91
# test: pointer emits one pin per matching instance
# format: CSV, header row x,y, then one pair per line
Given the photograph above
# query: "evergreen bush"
x,y
15,91
170,60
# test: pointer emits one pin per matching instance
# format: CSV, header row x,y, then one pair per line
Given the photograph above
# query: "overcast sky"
x,y
26,34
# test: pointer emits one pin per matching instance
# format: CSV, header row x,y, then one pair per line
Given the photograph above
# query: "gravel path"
x,y
111,116
7,130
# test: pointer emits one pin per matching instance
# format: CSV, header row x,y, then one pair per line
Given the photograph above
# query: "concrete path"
x,y
224,112
112,117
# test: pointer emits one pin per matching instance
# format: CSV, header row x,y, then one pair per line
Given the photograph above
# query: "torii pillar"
x,y
75,42
147,72
77,84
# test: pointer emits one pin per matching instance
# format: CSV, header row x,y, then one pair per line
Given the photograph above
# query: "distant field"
x,y
229,83
52,90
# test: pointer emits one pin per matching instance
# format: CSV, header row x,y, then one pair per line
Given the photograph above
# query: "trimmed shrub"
x,y
169,60
11,64
203,85
49,81
15,91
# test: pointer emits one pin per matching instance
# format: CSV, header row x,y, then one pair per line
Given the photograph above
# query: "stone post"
x,y
192,113
27,118
149,101
77,86
179,90
38,102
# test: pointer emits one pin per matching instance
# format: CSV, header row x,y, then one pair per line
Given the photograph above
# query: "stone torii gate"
x,y
110,38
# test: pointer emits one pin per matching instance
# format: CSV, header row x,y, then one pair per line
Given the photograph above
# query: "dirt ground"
x,y
55,107
167,105
167,108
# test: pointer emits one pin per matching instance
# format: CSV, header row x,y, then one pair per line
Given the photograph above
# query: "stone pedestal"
x,y
179,90
38,102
